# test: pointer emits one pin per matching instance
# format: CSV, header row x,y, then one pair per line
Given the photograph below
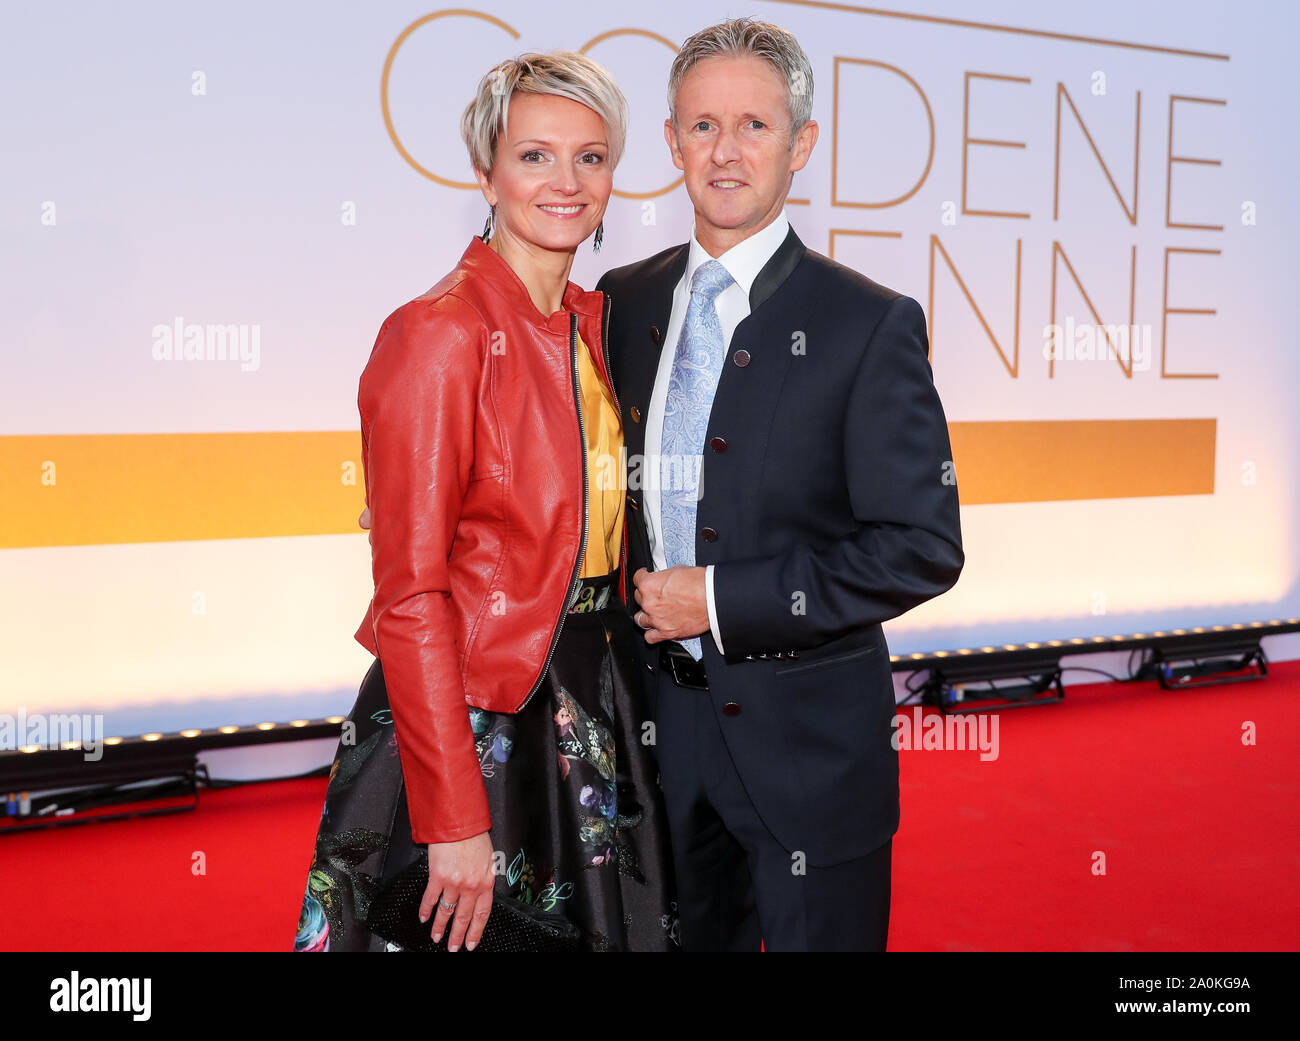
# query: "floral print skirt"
x,y
577,812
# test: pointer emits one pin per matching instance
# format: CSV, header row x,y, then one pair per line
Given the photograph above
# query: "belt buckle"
x,y
675,663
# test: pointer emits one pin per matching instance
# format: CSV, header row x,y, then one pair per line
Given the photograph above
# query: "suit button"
x,y
731,709
636,414
709,535
718,444
741,357
655,334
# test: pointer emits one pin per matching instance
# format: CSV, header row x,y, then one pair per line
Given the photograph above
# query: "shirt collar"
x,y
745,259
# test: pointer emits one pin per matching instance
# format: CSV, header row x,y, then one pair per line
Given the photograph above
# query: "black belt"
x,y
685,670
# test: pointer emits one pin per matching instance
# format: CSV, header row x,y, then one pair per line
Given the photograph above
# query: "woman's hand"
x,y
460,881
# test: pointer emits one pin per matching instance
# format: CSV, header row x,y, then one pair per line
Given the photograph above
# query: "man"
x,y
796,491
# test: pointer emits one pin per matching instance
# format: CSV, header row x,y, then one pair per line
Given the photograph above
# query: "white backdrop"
x,y
231,165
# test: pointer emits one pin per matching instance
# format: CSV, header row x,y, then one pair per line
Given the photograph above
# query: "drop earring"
x,y
600,237
489,226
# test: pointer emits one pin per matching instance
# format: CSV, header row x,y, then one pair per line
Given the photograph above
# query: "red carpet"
x,y
1201,837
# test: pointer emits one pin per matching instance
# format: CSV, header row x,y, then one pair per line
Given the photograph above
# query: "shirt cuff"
x,y
713,611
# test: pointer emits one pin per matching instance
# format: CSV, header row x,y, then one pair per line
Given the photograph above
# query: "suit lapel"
x,y
644,329
765,312
778,268
642,320
648,325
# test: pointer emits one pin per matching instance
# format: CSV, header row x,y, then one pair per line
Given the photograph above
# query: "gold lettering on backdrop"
x,y
1166,311
864,234
464,13
967,141
968,207
388,68
1193,160
672,47
1014,30
835,135
1119,355
1012,366
1128,206
1132,215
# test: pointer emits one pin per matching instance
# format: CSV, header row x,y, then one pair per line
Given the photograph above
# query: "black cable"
x,y
910,699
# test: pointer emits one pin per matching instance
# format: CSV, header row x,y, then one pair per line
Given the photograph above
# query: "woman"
x,y
505,669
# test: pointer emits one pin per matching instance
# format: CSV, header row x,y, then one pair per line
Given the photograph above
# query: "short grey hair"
x,y
564,74
742,36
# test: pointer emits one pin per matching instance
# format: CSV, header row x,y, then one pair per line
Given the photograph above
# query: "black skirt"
x,y
577,813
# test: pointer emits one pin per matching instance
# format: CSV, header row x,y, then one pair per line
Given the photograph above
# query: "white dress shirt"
x,y
743,262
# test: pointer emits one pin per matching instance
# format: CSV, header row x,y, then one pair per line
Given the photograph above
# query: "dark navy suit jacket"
x,y
833,507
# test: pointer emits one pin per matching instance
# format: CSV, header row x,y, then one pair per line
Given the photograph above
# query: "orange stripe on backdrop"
x,y
94,489
78,490
1054,460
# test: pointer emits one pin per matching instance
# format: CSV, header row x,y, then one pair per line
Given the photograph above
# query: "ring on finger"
x,y
447,906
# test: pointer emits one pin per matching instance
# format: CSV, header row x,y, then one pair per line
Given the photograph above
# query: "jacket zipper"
x,y
609,375
574,580
604,347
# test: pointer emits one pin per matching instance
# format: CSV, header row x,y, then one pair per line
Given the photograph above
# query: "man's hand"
x,y
364,519
674,603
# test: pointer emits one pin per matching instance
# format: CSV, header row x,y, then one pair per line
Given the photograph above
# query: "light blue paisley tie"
x,y
694,380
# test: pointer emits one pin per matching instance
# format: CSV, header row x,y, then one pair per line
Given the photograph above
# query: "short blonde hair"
x,y
564,74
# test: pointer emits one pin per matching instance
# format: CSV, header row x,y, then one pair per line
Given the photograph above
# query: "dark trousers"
x,y
736,885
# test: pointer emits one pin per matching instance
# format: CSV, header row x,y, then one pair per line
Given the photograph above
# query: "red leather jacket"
x,y
475,469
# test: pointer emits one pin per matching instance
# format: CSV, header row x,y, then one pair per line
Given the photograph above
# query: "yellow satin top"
x,y
605,495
